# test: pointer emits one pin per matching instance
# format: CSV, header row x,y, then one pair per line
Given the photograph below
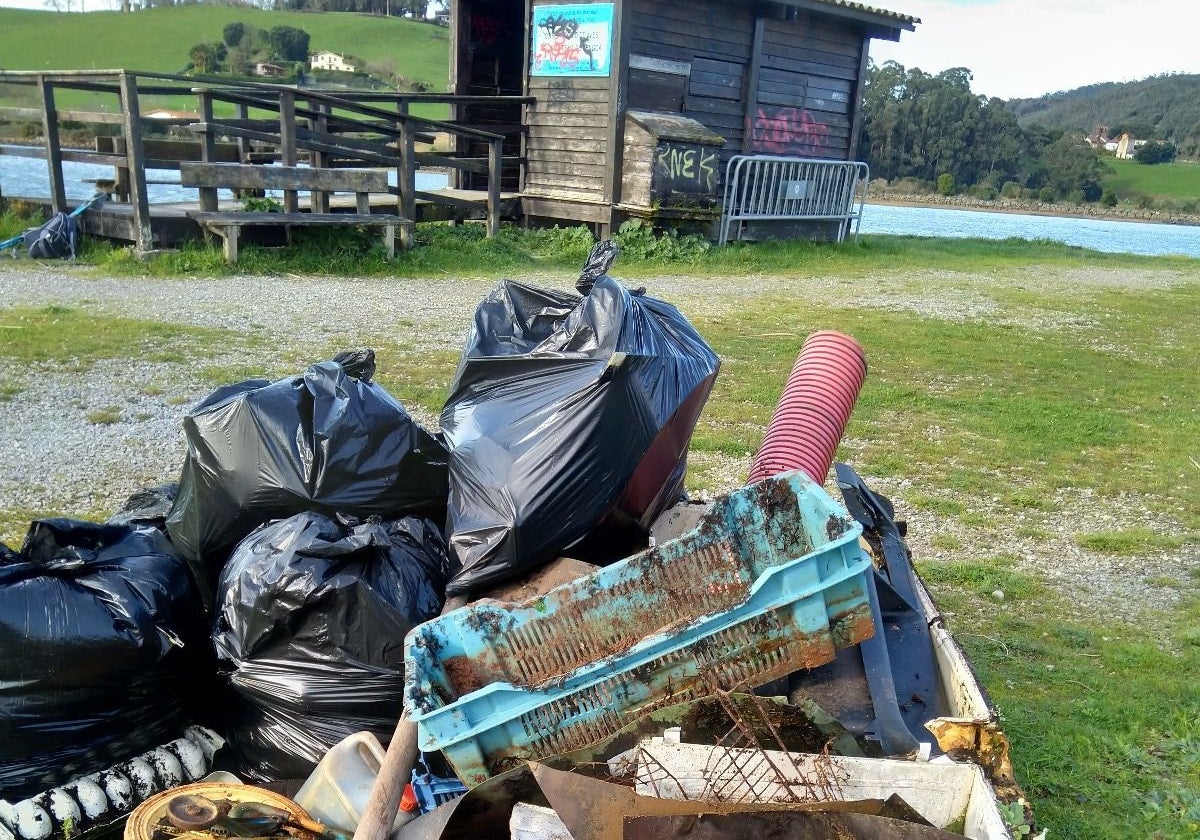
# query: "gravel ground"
x,y
54,459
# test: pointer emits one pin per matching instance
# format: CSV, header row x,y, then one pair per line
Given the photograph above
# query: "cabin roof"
x,y
881,23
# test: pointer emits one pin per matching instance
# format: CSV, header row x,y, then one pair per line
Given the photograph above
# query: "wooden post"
x,y
208,143
58,192
407,182
320,199
287,143
243,112
618,97
136,162
751,94
401,124
208,149
495,163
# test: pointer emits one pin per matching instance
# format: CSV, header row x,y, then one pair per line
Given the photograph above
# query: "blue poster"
x,y
572,40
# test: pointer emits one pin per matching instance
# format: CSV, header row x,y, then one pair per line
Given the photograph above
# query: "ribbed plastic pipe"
x,y
817,400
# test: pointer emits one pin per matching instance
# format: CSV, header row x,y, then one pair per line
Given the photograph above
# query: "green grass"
x,y
73,339
1132,541
158,40
1160,181
1103,718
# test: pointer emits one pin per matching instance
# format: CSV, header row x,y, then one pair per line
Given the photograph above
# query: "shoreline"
x,y
1037,208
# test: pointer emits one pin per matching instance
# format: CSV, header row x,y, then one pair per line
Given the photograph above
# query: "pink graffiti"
x,y
486,30
785,131
559,51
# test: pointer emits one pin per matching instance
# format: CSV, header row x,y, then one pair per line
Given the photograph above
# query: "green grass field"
x,y
158,40
1174,181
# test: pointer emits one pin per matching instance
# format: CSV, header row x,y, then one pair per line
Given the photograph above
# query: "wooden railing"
x,y
326,129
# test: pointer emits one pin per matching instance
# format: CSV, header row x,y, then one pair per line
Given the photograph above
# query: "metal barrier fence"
x,y
792,188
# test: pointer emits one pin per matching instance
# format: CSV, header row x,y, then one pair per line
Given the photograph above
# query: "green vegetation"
x,y
1011,394
158,40
935,130
1165,107
1171,185
73,339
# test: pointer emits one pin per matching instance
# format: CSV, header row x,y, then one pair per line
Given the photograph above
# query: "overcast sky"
x,y
1023,48
1014,48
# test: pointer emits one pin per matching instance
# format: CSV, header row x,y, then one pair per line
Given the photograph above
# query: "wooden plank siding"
x,y
715,39
808,78
567,145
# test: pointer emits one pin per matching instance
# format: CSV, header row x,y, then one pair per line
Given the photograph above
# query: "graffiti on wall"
x,y
787,131
487,31
572,40
684,168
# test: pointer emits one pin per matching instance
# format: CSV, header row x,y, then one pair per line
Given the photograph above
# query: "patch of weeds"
x,y
152,390
946,542
9,389
1162,581
1032,532
939,505
885,464
104,416
261,204
232,374
75,339
637,240
979,520
983,577
1030,501
1127,542
179,400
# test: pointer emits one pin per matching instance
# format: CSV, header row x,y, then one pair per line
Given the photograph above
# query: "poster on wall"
x,y
572,40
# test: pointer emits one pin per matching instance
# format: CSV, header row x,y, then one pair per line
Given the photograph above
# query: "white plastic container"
x,y
336,793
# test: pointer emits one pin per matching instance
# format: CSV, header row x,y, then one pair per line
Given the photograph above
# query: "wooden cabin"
x,y
640,104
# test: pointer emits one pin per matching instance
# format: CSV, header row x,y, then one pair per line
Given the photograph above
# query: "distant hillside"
x,y
159,39
1158,108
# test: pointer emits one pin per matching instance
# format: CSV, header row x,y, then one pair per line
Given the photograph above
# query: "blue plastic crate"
x,y
432,791
771,580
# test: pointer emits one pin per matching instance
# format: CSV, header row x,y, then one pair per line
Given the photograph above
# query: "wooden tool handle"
x,y
395,770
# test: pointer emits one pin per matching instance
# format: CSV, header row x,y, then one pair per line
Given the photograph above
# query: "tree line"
x,y
934,129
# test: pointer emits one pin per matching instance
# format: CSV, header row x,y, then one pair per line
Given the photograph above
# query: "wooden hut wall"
x,y
808,77
567,141
713,41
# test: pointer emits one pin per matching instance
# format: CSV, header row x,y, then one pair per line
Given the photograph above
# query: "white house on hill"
x,y
326,60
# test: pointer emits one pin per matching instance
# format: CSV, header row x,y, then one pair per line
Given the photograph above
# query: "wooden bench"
x,y
209,177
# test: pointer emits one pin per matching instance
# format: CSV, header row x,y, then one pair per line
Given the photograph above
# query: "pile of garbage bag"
x,y
273,593
99,631
309,618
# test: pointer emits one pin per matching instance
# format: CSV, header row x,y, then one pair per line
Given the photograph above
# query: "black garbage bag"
x,y
329,440
568,416
310,623
97,623
148,506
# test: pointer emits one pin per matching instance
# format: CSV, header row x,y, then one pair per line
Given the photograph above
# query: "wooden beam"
x,y
136,164
856,106
751,95
618,96
58,194
287,144
250,176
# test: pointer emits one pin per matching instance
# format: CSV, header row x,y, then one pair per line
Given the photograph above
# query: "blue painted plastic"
x,y
772,579
432,791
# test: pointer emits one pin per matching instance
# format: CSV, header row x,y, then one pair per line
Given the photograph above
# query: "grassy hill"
x,y
1164,184
158,40
1159,108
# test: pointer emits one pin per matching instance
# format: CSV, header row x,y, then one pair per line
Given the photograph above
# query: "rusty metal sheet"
x,y
780,826
591,809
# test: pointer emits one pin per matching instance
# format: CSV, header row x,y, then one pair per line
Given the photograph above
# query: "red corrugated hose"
x,y
812,413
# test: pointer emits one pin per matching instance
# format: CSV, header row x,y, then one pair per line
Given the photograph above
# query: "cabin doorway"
x,y
491,64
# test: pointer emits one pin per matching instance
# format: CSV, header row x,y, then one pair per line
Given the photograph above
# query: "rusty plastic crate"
x,y
772,579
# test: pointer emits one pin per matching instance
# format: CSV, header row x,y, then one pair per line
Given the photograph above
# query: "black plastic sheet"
x,y
329,440
310,625
568,422
97,625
